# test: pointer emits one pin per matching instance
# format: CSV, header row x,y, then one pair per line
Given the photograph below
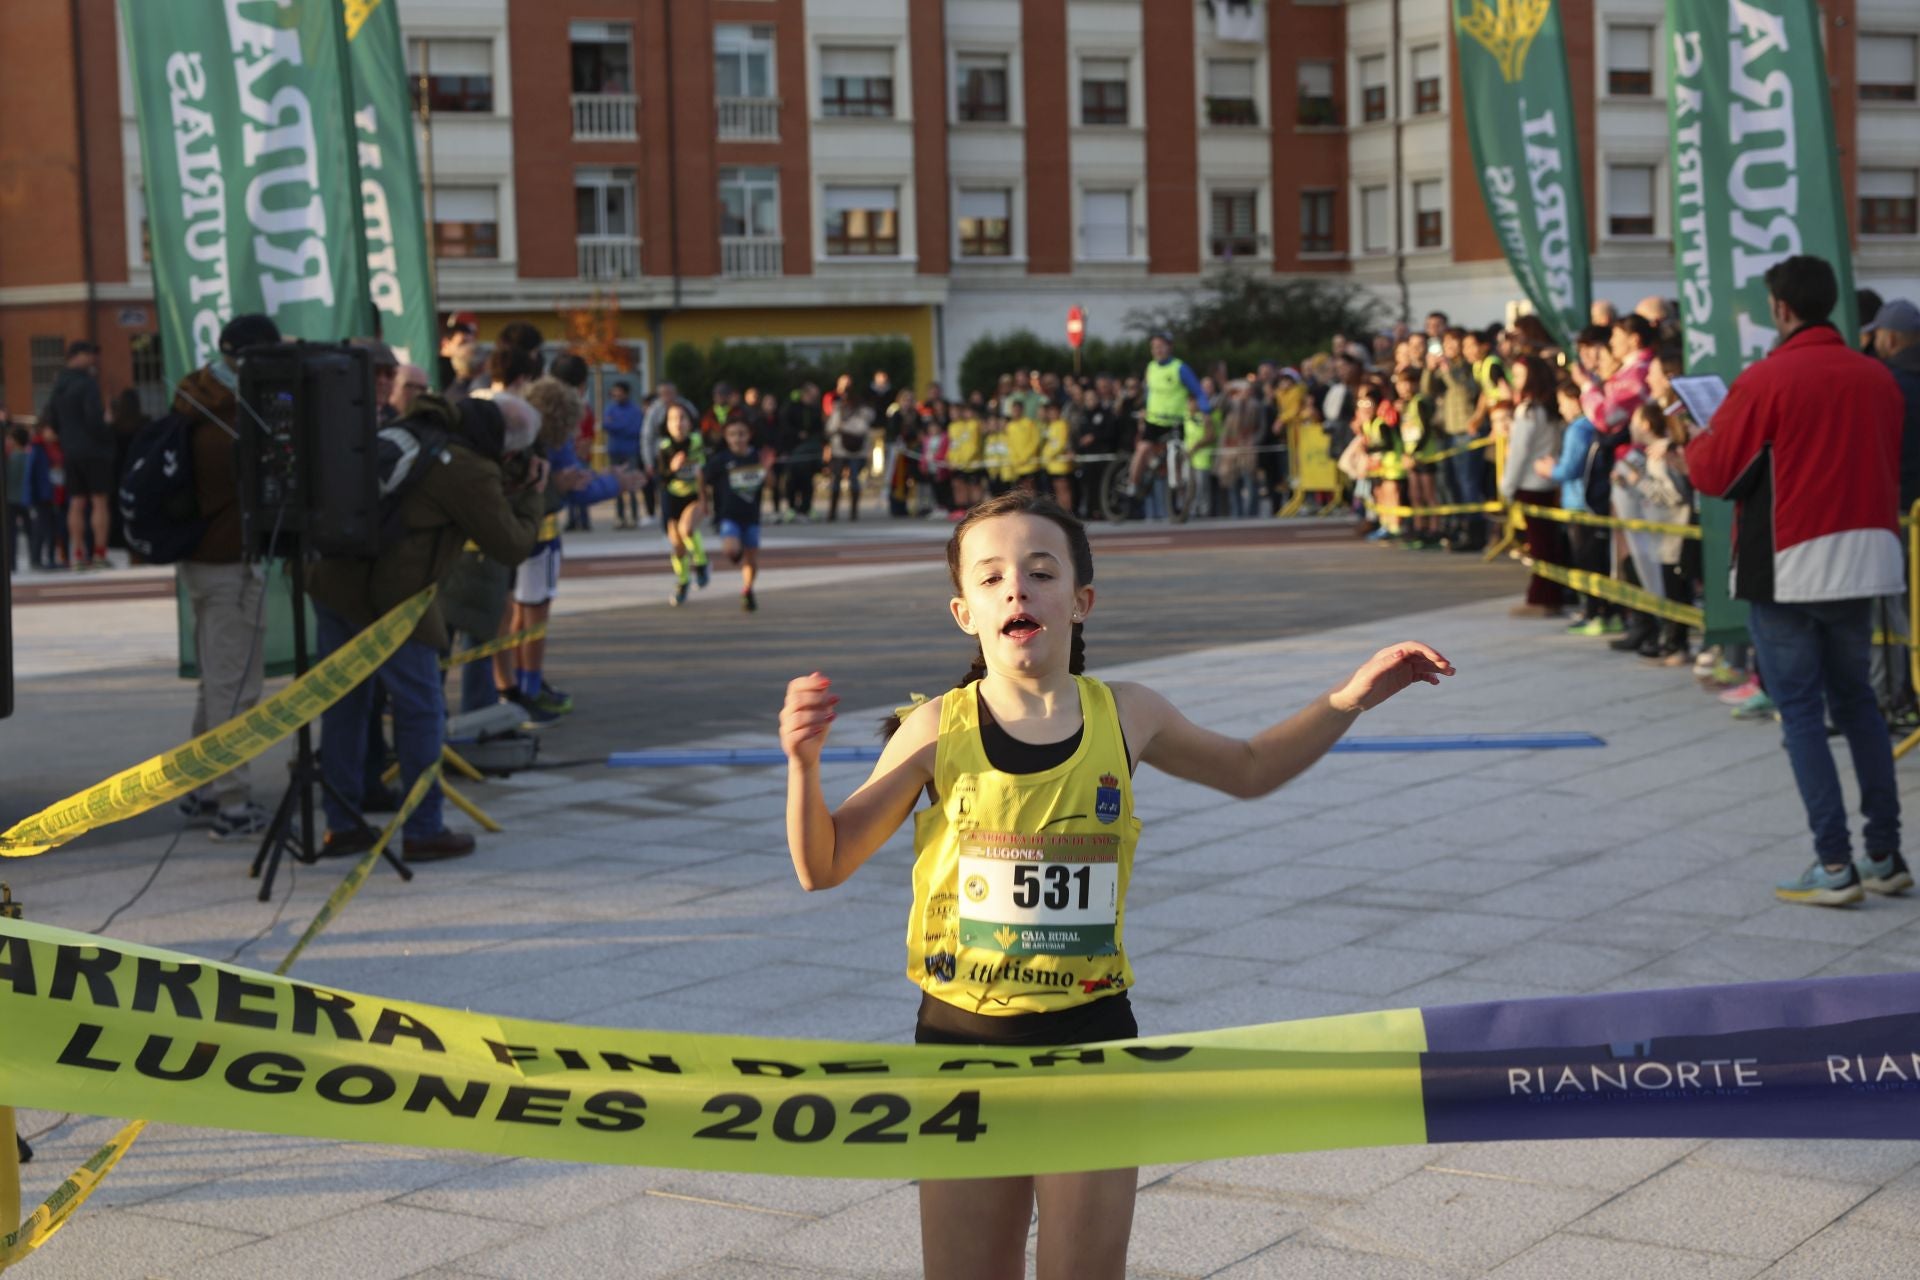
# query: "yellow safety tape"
x,y
343,894
1595,584
68,1196
1608,522
107,1027
218,751
491,647
1484,442
1452,509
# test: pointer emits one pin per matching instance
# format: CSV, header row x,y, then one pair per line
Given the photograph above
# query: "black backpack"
x,y
403,452
158,508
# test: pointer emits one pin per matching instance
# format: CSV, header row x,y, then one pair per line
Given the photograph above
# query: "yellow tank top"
x,y
1020,880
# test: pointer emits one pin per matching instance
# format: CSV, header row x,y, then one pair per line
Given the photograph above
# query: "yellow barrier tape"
x,y
1625,593
68,1196
1567,516
343,894
1451,509
1484,442
172,774
491,647
103,1026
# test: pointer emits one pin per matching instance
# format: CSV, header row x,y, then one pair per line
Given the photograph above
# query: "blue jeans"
x,y
1468,474
477,690
1815,660
411,681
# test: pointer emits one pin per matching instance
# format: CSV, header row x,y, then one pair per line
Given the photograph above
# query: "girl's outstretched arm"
x,y
1249,767
829,845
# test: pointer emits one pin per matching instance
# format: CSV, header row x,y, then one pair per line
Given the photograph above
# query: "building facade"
x,y
819,171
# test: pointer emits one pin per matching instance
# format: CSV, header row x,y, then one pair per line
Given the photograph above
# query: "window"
x,y
602,56
863,222
1106,224
1373,87
750,202
459,74
1887,68
1429,215
1233,225
149,374
981,79
1427,64
1887,202
1630,61
1630,199
986,224
856,82
46,356
1376,220
466,222
742,61
1230,98
1316,222
1317,106
1103,91
603,203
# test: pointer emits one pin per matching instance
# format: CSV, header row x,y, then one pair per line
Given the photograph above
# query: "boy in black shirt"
x,y
735,477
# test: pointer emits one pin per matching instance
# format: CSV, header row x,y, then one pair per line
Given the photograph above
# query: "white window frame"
x,y
1333,229
750,185
1136,235
495,72
1658,57
1010,58
1256,89
1262,231
1912,36
903,212
1411,89
1604,204
902,90
605,177
499,223
1332,95
1132,80
1016,237
1912,173
760,39
1358,87
1412,229
582,31
1362,224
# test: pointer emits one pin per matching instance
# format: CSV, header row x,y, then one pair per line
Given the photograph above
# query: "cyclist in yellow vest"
x,y
1024,853
1169,384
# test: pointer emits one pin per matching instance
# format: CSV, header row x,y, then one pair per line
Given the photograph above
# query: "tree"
x,y
775,369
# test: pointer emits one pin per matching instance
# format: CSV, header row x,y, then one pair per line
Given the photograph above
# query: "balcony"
x,y
748,119
746,256
604,117
608,257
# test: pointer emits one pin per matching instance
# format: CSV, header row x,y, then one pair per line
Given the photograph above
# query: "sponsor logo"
x,y
1618,1078
1006,936
940,966
1112,982
1505,29
1106,799
1019,973
976,888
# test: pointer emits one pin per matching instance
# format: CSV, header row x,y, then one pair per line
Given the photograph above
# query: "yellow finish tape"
x,y
343,894
491,647
106,1027
68,1196
218,751
1595,584
1609,522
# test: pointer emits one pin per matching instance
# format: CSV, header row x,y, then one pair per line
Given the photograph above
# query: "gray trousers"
x,y
229,625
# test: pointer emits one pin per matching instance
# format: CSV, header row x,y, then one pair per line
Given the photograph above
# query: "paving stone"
x,y
1472,1223
382,1242
1732,958
1371,970
1578,1257
1603,1164
1312,1178
1272,939
878,1236
1178,1232
1306,1258
1849,1252
1895,1207
1835,1160
1460,933
642,1237
1555,963
1721,1210
101,1245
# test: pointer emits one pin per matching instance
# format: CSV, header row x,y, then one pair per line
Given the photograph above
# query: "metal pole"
x,y
426,171
85,180
368,321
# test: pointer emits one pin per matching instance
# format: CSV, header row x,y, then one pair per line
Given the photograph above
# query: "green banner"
x,y
398,268
1513,82
1756,178
249,173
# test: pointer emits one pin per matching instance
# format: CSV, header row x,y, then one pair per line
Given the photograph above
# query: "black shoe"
x,y
436,848
1632,640
347,844
380,800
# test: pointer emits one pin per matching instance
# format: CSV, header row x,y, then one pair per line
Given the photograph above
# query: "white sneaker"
x,y
239,824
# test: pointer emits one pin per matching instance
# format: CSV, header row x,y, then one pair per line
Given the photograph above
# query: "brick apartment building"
x,y
815,171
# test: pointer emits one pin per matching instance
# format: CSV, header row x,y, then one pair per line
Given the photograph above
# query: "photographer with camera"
x,y
478,482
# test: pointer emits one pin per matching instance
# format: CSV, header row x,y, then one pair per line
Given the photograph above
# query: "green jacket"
x,y
461,497
1453,389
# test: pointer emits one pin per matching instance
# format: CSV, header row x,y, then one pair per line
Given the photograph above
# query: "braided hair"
x,y
1080,552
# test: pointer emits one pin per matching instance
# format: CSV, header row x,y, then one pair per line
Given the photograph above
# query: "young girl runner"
x,y
735,477
683,456
1024,854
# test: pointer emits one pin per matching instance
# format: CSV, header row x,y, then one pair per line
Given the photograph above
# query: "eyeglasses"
x,y
414,386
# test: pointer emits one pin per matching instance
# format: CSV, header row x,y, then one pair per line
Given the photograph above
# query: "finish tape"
x,y
538,631
219,750
104,1027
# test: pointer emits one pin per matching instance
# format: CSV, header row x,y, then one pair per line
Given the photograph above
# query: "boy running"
x,y
735,478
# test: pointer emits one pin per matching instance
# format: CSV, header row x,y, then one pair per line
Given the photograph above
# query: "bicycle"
x,y
1169,472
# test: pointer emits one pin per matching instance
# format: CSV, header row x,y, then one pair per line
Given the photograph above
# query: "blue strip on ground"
x,y
669,758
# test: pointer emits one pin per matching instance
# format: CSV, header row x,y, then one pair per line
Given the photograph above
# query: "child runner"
x,y
736,477
683,455
1028,753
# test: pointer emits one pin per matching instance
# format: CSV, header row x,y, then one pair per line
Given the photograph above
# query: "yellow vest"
x,y
1166,393
963,444
1023,446
1020,880
1056,451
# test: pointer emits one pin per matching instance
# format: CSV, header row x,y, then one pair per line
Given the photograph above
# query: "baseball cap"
x,y
1898,316
463,322
81,347
251,330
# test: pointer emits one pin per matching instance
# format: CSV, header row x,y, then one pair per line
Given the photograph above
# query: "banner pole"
x,y
368,319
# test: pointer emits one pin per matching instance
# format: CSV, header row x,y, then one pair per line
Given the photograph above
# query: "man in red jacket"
x,y
1808,444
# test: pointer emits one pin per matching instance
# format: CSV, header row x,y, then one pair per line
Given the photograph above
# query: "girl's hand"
x,y
1388,672
806,718
1657,450
1543,467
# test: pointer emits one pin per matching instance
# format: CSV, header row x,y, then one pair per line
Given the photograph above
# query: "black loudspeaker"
x,y
308,463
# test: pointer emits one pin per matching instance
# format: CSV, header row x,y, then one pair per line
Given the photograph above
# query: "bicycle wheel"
x,y
1182,484
1115,502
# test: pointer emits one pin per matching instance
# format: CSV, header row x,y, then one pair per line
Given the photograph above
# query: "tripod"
x,y
291,830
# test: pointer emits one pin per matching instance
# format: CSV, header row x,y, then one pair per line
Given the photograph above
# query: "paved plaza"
x,y
665,899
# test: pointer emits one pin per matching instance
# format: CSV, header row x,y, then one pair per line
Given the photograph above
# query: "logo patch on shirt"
x,y
976,888
1106,799
940,966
